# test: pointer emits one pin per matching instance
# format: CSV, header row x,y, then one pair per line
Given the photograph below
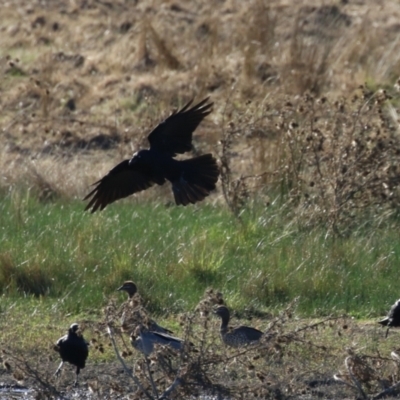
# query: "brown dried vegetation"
x,y
83,82
305,115
332,162
294,359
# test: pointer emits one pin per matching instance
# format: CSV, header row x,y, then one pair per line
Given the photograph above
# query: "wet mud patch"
x,y
106,380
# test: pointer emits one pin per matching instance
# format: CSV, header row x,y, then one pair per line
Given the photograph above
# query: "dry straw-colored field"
x,y
83,82
305,111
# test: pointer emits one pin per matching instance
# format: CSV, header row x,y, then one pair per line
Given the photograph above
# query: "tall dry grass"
x,y
72,107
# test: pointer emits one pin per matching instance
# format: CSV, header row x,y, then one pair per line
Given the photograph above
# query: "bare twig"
x,y
24,366
126,369
353,378
178,381
155,391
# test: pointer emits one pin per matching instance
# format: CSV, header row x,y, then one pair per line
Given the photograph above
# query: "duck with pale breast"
x,y
144,340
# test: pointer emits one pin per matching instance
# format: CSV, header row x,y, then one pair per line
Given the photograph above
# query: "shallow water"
x,y
10,392
15,392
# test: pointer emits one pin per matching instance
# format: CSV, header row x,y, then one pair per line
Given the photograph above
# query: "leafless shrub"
x,y
234,190
341,158
24,369
292,360
208,368
334,162
371,377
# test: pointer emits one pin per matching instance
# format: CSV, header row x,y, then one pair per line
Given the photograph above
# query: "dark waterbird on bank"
x,y
74,349
239,336
131,315
192,179
393,317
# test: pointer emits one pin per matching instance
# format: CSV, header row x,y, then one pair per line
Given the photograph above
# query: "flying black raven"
x,y
192,179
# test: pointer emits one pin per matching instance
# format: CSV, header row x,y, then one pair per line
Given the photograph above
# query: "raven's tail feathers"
x,y
198,178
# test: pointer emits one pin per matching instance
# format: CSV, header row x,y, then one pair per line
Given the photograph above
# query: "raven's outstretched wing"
x,y
174,135
122,181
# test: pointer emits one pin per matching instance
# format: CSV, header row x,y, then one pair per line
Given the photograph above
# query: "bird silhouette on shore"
x,y
133,313
393,317
239,336
74,349
192,179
